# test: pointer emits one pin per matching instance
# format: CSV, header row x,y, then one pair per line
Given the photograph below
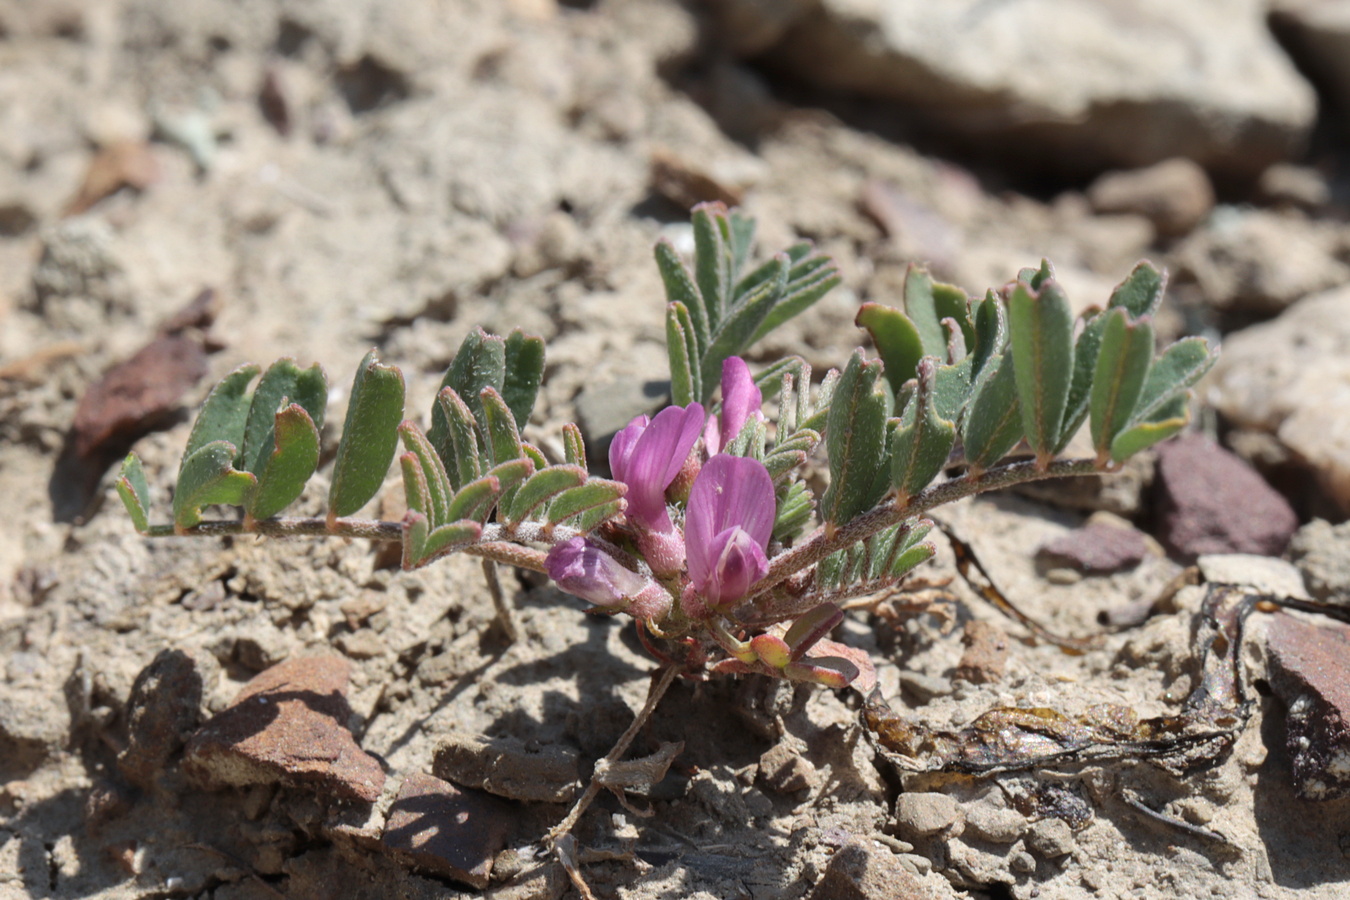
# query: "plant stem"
x,y
655,692
820,544
497,542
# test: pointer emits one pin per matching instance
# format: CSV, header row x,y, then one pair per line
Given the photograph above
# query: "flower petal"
x,y
740,398
656,458
581,568
730,564
621,448
730,490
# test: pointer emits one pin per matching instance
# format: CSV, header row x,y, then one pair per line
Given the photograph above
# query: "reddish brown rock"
x,y
1210,501
444,830
1310,673
986,654
135,396
289,726
1097,548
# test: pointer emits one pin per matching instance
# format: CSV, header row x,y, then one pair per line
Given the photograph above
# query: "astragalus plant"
x,y
708,532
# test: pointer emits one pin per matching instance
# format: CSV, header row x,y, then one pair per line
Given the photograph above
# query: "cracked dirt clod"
x,y
288,725
440,828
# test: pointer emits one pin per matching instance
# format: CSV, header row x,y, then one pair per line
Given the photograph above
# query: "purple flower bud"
x,y
648,454
727,527
581,568
740,400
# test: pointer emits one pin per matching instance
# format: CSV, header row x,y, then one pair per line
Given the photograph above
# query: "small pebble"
x,y
1051,838
995,824
926,813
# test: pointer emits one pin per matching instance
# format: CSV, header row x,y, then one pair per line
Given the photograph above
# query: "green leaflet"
x,y
134,491
503,438
1141,292
896,339
921,440
992,424
460,450
224,413
576,506
574,446
1122,365
475,500
1174,372
685,376
369,436
416,492
928,303
1163,407
436,484
680,288
480,363
283,381
291,463
1080,386
1040,332
542,487
991,333
712,260
734,333
794,511
1161,424
524,373
809,279
422,543
856,439
512,473
206,477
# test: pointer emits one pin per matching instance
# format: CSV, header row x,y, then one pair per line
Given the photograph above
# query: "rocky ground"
x,y
237,720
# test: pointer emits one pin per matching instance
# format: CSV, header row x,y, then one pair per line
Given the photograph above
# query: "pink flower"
x,y
582,568
740,400
648,454
727,528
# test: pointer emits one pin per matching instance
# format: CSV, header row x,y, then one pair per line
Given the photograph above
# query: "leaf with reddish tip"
x,y
811,627
135,493
292,462
283,382
771,650
224,412
207,477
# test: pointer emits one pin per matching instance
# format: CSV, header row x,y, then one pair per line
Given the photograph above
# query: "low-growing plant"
x,y
709,532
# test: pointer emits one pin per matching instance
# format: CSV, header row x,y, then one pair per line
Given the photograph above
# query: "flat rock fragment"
x,y
1210,501
508,767
445,830
1098,548
288,726
1310,673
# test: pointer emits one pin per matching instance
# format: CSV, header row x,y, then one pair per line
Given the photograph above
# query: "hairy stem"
x,y
497,543
821,544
